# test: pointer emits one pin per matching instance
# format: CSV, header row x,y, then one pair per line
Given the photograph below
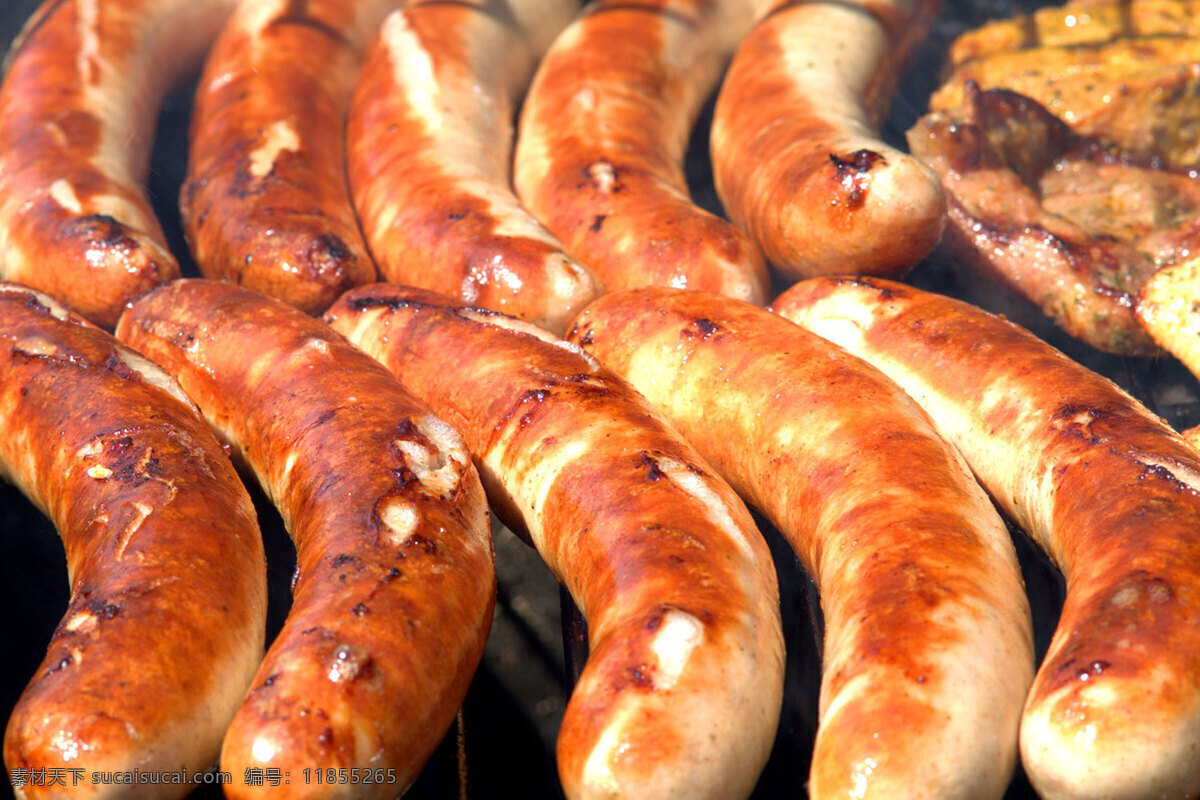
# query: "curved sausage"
x,y
394,587
681,693
1105,487
168,590
928,644
796,151
604,131
266,202
77,111
430,143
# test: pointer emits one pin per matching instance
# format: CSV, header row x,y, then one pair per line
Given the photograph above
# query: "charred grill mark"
x,y
419,543
1125,10
653,473
884,292
329,257
1030,34
102,231
361,304
296,13
852,173
640,676
597,223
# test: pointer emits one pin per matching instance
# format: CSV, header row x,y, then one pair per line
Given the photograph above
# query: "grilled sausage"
x,y
797,157
928,644
168,589
1104,486
77,111
266,202
430,147
394,588
681,693
604,131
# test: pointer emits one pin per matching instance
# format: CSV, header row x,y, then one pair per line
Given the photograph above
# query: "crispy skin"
x,y
430,154
1076,23
796,151
1141,93
1104,486
394,588
168,590
77,112
1168,306
681,693
604,131
1074,226
266,202
928,645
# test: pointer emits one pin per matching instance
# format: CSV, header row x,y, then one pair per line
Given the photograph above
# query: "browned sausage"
x,y
604,131
1103,485
393,593
266,202
797,156
928,645
680,695
168,588
430,146
77,112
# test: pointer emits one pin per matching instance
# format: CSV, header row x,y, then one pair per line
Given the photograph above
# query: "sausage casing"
x,y
430,142
796,151
78,107
928,646
1103,485
393,594
266,202
168,588
604,130
681,692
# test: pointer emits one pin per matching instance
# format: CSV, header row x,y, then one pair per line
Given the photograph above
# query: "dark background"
x,y
518,695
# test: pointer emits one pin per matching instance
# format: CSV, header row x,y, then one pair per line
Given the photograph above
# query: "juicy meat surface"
x,y
1074,224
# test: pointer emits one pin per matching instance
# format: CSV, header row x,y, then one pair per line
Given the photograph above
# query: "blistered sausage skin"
x,y
681,692
78,106
604,130
430,145
266,202
797,156
928,646
1103,485
393,594
166,620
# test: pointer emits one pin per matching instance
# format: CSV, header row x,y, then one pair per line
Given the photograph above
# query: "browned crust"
x,y
385,630
168,590
1081,22
103,246
285,225
533,401
428,223
913,567
817,191
991,155
1106,487
600,154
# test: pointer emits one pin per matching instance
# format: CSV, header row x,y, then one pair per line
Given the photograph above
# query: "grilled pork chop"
x,y
1071,222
